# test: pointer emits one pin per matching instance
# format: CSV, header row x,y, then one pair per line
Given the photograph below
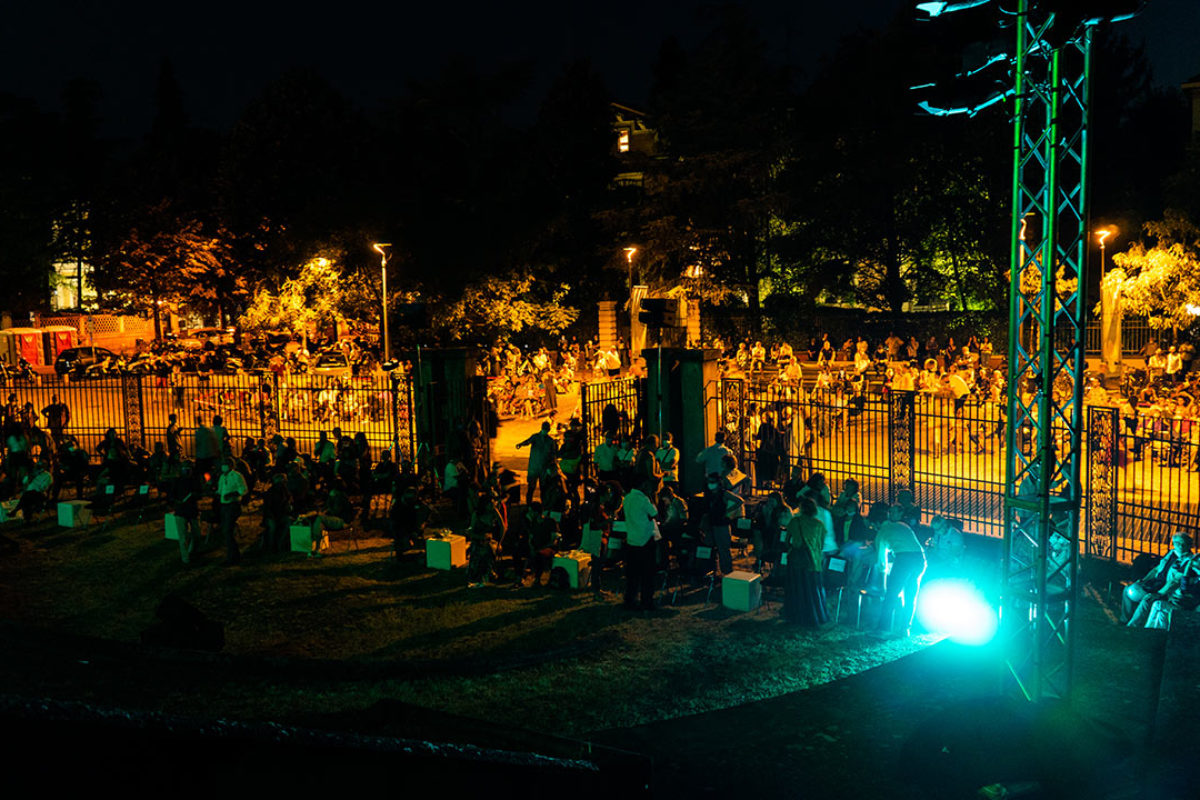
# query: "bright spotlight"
x,y
958,610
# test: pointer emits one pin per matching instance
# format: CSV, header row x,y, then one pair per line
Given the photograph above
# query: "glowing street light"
x,y
1103,234
629,253
379,247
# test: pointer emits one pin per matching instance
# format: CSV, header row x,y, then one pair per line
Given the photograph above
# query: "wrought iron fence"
x,y
610,407
1143,482
254,406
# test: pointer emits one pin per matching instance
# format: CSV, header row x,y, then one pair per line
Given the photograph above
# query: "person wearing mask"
x,y
720,506
641,546
231,488
804,593
908,565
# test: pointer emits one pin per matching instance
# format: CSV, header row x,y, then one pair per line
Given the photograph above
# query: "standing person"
x,y
668,460
185,503
712,458
541,450
58,417
231,488
224,449
907,568
174,438
641,542
720,505
804,593
206,452
766,465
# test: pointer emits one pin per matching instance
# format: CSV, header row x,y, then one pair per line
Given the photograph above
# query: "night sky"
x,y
224,53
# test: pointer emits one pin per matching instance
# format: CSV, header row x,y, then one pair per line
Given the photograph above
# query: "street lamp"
x,y
629,253
1102,235
383,259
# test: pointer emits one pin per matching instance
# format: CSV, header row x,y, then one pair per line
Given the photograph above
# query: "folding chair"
x,y
835,581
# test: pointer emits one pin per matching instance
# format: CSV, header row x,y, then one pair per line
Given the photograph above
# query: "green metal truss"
x,y
1047,320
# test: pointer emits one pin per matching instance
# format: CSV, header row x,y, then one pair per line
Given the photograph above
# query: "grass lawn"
x,y
342,632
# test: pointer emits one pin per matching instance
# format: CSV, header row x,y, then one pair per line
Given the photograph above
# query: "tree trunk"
x,y
157,317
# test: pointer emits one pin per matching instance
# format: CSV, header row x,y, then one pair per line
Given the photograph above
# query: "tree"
x,y
723,115
1163,282
170,260
495,307
323,295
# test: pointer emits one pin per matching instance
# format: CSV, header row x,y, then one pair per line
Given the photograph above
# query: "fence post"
x,y
901,411
131,401
268,404
587,468
394,396
1103,473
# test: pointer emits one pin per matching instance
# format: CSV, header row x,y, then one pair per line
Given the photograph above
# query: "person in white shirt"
x,y
231,488
641,547
908,565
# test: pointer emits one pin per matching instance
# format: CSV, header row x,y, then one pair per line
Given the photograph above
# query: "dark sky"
x,y
224,53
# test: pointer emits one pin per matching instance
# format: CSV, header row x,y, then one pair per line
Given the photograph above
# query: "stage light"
x,y
957,609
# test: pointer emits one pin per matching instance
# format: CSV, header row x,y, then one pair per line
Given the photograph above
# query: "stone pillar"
x,y
682,397
607,324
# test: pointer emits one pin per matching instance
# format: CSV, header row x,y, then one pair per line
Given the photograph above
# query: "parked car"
x,y
332,363
75,360
197,338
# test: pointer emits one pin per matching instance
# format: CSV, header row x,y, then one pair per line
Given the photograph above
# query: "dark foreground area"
x,y
930,725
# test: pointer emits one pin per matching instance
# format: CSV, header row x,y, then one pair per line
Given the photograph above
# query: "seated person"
x,y
277,515
673,512
407,521
945,546
1172,581
542,533
767,528
35,490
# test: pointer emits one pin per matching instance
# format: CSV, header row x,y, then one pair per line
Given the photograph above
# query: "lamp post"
x,y
1102,235
629,253
383,259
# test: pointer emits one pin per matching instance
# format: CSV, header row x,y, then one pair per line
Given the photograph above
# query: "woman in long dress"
x,y
804,592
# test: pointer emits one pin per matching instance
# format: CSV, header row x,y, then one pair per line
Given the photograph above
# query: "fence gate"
x,y
957,458
613,407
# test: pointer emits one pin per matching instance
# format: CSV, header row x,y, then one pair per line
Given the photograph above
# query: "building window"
x,y
623,141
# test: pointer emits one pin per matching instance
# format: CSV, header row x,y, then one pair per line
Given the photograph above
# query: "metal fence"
x,y
1135,332
254,406
1143,483
612,406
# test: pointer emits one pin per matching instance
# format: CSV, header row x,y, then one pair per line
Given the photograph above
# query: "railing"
x,y
253,406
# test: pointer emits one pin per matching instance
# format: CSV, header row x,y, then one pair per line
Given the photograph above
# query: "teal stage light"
x,y
957,609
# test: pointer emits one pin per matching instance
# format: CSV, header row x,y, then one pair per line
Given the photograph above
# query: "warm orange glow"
x,y
1104,233
629,252
623,141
